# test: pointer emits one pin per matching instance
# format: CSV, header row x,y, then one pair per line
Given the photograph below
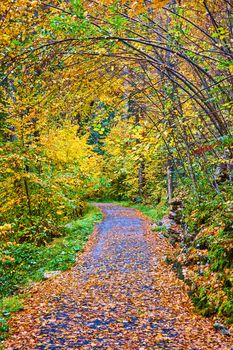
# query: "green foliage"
x,y
8,305
90,108
227,309
22,263
201,301
153,212
26,263
208,250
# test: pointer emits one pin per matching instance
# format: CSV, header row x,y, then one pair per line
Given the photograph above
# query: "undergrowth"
x,y
155,213
206,253
26,263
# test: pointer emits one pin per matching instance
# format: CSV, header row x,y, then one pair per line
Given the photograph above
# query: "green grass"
x,y
8,306
29,262
153,212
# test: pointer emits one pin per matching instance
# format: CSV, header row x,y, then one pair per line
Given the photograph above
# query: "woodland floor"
x,y
120,295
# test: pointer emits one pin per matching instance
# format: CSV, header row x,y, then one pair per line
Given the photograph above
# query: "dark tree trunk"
x,y
170,182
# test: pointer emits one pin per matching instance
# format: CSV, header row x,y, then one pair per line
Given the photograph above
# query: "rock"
x,y
172,215
221,328
200,272
176,203
168,223
50,274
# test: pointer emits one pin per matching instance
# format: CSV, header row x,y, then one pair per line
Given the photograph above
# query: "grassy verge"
x,y
155,213
27,262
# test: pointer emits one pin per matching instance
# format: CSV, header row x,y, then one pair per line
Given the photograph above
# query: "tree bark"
x,y
170,182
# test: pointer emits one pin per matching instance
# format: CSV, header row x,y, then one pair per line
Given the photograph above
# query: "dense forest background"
x,y
118,100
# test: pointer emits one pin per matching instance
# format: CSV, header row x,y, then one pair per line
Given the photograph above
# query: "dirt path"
x,y
120,295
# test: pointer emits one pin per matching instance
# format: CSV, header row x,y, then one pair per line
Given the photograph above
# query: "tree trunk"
x,y
141,178
170,183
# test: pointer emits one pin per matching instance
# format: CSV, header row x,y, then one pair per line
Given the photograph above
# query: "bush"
x,y
21,263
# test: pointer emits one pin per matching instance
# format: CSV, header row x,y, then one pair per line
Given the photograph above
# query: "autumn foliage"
x,y
126,100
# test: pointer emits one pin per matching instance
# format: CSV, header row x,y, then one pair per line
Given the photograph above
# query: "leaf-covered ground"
x,y
120,295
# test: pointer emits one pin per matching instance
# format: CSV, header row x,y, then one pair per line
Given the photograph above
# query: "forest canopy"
x,y
122,100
